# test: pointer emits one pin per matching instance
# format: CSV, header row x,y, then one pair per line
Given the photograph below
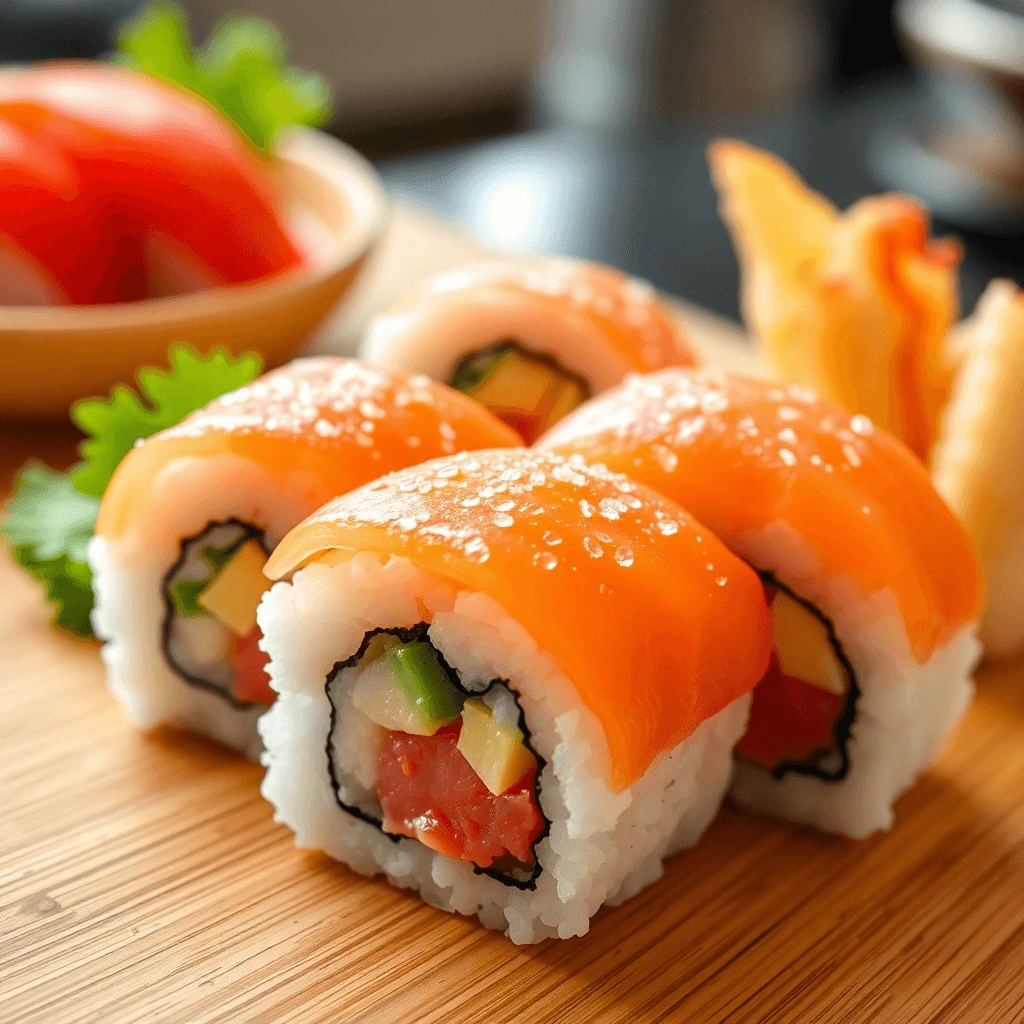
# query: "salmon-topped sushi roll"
x,y
874,586
530,339
192,514
530,674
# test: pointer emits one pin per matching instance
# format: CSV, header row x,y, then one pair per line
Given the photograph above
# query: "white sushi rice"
x,y
603,846
903,714
128,576
450,322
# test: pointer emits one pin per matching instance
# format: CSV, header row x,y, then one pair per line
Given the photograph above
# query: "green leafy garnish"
x,y
185,593
51,516
49,524
164,398
242,70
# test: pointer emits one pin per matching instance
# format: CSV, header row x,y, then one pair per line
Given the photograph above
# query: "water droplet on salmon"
x,y
668,527
624,556
505,506
586,508
714,402
477,549
551,538
787,457
611,508
851,455
667,459
407,523
721,580
862,425
545,559
503,519
470,502
592,548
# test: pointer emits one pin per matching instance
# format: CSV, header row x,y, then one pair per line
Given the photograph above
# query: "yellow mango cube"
x,y
494,749
803,646
233,597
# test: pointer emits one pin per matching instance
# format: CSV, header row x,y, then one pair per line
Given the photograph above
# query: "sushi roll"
x,y
874,586
531,340
192,514
530,674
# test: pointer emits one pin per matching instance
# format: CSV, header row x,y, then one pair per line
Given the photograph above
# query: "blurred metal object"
x,y
968,165
41,29
624,63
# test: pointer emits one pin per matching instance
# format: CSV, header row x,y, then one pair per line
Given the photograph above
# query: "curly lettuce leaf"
x,y
242,70
164,398
49,524
51,516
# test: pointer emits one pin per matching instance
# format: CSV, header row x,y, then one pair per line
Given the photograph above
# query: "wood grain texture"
x,y
142,879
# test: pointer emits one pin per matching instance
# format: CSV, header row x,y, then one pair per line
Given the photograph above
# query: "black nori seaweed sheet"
x,y
843,724
463,366
414,634
250,532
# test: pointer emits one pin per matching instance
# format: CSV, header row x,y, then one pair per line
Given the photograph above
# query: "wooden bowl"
x,y
51,356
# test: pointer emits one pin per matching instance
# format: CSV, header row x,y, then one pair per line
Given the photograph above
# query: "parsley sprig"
x,y
51,516
242,70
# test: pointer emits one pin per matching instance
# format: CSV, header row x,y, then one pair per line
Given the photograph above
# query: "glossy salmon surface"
x,y
335,422
159,157
742,454
55,247
652,619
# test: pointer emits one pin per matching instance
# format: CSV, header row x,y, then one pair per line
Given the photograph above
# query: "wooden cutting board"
x,y
143,879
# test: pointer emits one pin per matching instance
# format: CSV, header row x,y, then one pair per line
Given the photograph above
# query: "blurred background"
x,y
579,126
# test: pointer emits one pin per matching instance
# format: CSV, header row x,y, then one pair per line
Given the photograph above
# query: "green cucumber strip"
x,y
476,368
424,681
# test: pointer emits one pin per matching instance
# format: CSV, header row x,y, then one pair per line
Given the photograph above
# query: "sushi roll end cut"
x,y
530,339
530,673
192,514
874,586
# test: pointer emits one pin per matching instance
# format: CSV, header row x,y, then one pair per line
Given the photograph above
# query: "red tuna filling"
x,y
790,721
252,684
430,792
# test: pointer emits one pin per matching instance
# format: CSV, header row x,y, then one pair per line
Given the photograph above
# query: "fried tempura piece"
x,y
854,305
978,457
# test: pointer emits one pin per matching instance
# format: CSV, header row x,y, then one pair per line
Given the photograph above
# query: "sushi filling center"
x,y
211,593
805,704
415,753
527,390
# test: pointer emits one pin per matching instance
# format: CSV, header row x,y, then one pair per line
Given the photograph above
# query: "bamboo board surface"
x,y
142,879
